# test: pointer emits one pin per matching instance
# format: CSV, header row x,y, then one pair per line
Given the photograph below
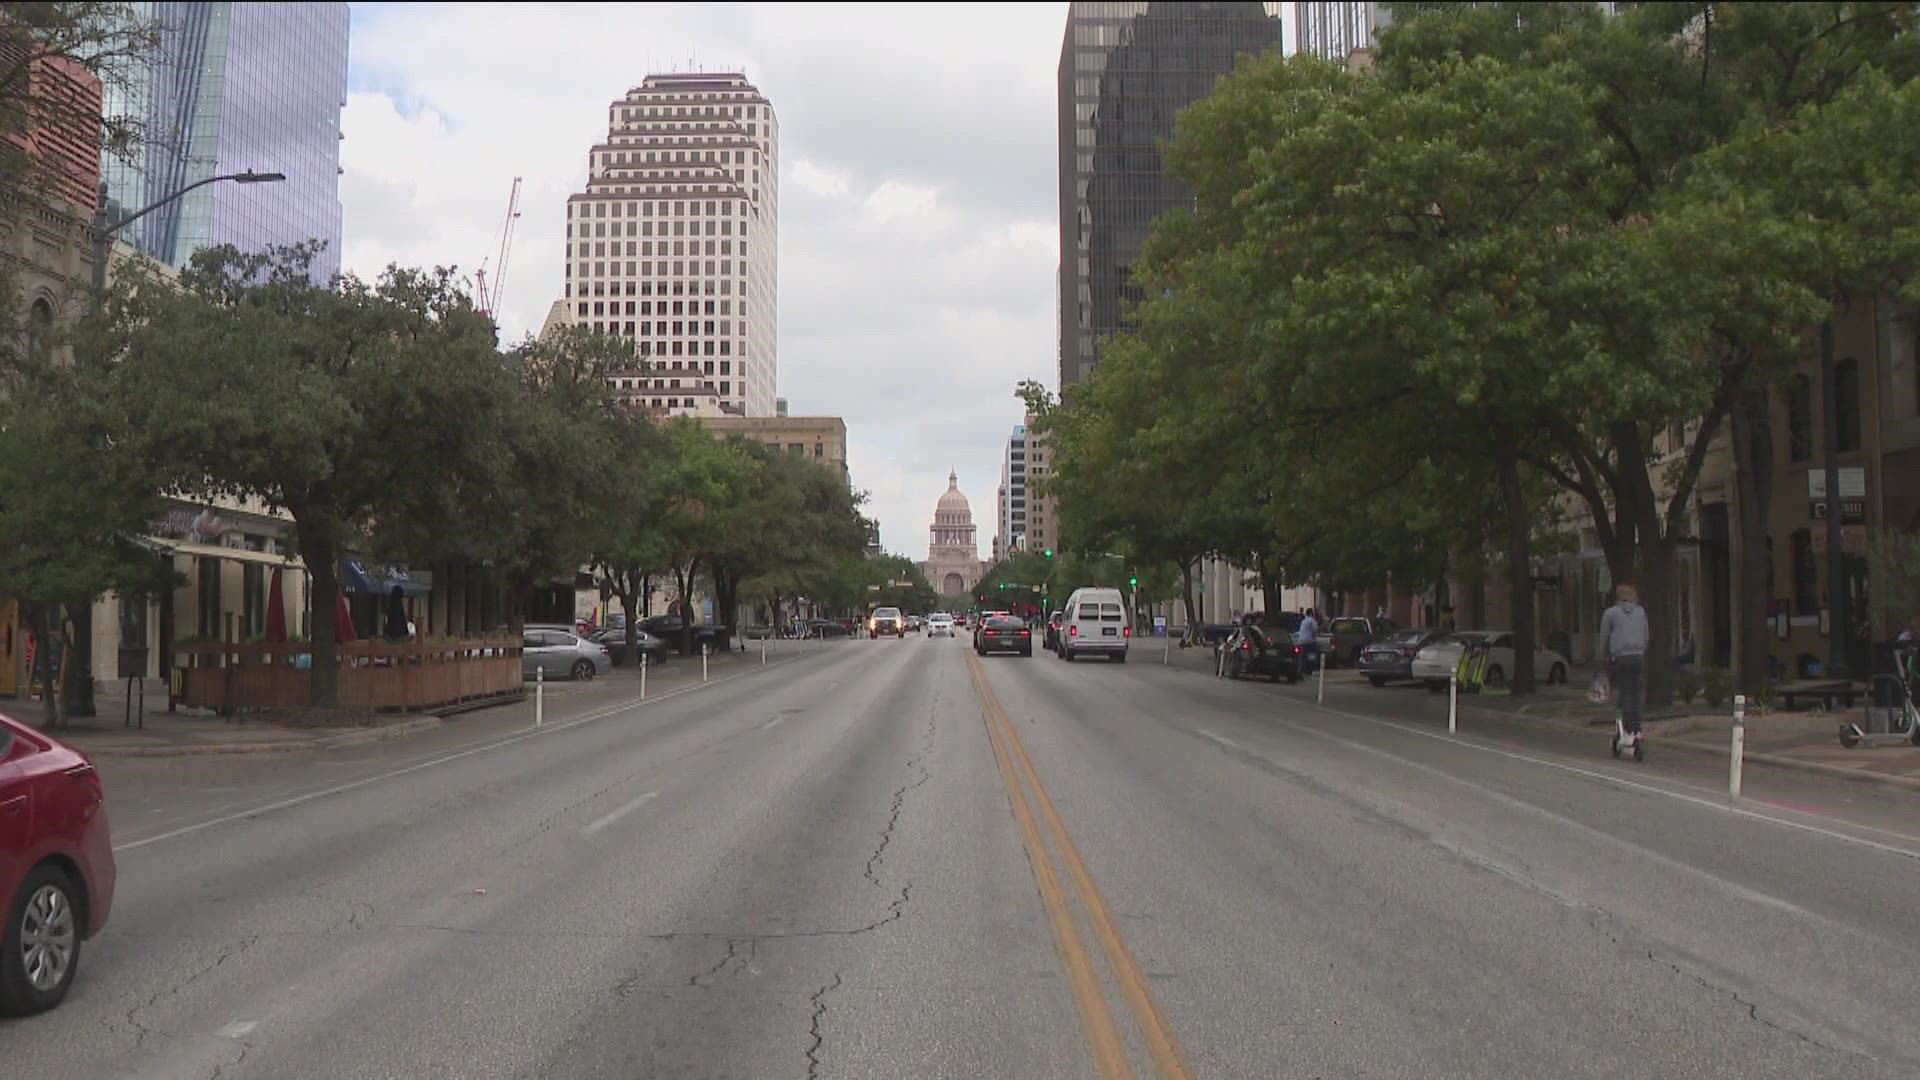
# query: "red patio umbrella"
x,y
276,610
343,621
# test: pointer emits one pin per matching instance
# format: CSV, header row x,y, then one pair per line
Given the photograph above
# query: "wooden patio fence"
x,y
404,676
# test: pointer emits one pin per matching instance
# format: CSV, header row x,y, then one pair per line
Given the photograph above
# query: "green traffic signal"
x,y
1133,583
1049,553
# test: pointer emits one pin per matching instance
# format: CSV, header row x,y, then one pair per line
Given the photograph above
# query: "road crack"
x,y
917,764
818,1000
141,1029
1753,1009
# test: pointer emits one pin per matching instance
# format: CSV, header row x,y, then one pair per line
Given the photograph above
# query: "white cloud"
x,y
917,240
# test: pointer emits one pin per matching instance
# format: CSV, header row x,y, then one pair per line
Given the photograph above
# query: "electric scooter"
x,y
1625,742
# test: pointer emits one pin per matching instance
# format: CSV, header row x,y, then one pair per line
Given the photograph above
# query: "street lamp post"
x,y
80,693
1839,619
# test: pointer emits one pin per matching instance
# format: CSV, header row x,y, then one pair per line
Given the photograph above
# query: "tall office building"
x,y
1336,30
1126,70
234,87
1013,486
674,244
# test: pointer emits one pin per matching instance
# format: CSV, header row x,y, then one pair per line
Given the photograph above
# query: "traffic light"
x,y
1133,582
1049,553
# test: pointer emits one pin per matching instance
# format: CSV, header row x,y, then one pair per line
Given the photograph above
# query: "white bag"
x,y
1600,690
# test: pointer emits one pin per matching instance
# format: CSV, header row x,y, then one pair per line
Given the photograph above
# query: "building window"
x,y
1846,399
1800,419
1806,589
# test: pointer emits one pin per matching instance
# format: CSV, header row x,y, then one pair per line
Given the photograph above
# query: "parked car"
x,y
1254,650
1004,633
939,624
888,622
1054,622
655,649
560,651
669,627
1096,624
1349,635
1392,657
1436,662
56,866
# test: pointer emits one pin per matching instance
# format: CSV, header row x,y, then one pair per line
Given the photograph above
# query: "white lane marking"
x,y
1221,739
773,723
1607,777
238,1029
616,815
351,785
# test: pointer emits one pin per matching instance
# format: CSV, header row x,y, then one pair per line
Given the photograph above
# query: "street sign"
x,y
1853,482
1853,511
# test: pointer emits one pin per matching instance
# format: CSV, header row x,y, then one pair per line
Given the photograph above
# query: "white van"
x,y
1095,623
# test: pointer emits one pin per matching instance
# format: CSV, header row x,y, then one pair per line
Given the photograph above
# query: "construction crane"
x,y
488,298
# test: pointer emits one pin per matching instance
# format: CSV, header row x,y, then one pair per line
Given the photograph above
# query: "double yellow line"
x,y
1104,1041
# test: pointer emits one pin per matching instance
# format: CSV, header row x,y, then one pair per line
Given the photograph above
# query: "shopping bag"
x,y
1600,690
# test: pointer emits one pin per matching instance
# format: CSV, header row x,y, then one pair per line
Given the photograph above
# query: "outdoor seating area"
x,y
404,676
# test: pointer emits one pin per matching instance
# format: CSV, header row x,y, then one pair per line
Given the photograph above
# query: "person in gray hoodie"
x,y
1623,654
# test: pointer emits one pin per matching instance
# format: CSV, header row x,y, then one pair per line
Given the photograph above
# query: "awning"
x,y
359,576
216,551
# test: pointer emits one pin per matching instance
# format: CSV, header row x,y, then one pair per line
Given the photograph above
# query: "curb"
x,y
357,737
1818,768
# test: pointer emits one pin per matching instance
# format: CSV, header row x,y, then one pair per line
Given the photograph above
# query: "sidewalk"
x,y
193,734
1804,741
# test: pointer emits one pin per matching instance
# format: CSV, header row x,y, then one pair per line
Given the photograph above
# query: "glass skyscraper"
x,y
1126,70
233,87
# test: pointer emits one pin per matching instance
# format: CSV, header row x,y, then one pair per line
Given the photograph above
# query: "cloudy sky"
x,y
918,236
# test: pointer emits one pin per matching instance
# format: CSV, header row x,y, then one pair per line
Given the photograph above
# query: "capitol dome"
x,y
953,503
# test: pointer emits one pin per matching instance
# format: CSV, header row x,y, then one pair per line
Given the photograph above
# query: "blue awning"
x,y
357,576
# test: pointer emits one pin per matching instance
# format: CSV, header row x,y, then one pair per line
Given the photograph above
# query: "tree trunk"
x,y
1186,595
37,618
1752,430
1660,595
1272,593
317,551
67,621
1519,569
685,577
627,606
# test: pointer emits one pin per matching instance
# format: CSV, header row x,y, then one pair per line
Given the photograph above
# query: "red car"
x,y
56,865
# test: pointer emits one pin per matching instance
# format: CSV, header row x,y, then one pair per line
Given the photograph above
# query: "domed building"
x,y
953,565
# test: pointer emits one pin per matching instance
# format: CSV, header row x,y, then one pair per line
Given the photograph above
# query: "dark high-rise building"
x,y
233,87
1126,70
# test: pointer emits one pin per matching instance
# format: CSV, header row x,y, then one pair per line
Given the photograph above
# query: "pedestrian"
x,y
1623,653
1912,632
1307,636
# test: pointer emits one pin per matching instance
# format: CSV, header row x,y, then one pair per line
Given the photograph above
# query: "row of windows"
x,y
681,268
694,287
635,157
668,208
645,247
628,114
725,387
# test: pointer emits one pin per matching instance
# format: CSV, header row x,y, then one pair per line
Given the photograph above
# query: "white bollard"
x,y
1739,744
763,652
1453,702
1166,645
539,695
643,676
705,650
1320,697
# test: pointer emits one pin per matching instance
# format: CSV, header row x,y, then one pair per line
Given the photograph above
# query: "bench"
x,y
1825,690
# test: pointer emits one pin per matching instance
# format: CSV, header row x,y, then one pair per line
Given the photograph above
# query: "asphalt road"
x,y
892,859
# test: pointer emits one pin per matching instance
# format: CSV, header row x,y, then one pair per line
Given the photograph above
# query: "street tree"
x,y
348,406
71,518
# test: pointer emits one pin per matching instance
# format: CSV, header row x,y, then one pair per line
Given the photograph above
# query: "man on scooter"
x,y
1623,651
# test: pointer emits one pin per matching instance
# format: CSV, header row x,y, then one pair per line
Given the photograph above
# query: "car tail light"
x,y
1073,631
1026,633
1126,631
1296,650
1245,647
90,778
